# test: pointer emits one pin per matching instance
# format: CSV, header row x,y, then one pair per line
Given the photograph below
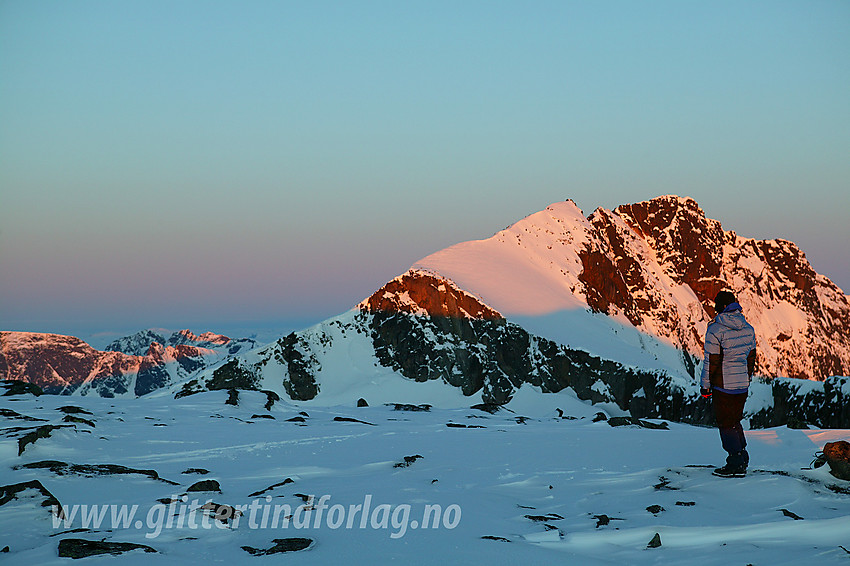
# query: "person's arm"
x,y
709,364
751,362
715,369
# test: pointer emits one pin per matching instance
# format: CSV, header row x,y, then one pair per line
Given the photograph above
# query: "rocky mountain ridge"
x,y
139,343
65,364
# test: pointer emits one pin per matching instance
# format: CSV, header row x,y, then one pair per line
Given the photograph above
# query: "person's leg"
x,y
729,410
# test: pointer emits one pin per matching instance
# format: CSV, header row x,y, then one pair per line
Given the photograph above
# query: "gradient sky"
x,y
211,164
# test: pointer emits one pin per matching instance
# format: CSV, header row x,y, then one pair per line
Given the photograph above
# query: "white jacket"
x,y
732,336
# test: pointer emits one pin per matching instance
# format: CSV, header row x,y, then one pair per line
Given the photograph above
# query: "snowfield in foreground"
x,y
527,484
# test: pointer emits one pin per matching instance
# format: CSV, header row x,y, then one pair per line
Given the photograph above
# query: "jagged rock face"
x,y
55,362
139,343
496,358
136,344
765,275
687,244
657,265
422,293
65,364
824,404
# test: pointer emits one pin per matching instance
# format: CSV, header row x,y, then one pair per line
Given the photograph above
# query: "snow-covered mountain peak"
x,y
654,266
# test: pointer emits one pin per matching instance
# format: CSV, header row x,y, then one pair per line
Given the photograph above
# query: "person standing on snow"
x,y
730,360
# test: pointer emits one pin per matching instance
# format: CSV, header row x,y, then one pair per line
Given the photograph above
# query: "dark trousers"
x,y
729,410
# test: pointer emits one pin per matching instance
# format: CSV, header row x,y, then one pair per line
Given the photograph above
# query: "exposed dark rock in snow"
x,y
351,420
18,387
205,485
408,460
837,455
40,432
74,410
89,470
281,545
542,518
81,548
409,407
634,421
271,399
200,471
10,492
232,375
78,420
10,414
664,484
271,487
491,408
221,512
791,514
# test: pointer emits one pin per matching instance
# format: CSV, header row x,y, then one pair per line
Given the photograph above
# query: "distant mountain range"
x,y
134,365
613,305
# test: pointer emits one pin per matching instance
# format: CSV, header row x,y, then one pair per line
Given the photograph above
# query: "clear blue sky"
x,y
203,164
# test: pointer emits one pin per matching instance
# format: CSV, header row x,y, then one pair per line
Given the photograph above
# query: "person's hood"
x,y
732,317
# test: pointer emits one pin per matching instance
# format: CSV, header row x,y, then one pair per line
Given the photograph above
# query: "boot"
x,y
728,471
736,465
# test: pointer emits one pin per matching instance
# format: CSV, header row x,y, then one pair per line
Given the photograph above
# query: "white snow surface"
x,y
571,471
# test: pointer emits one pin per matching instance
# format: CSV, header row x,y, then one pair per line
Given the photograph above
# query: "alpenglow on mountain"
x,y
656,266
612,306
